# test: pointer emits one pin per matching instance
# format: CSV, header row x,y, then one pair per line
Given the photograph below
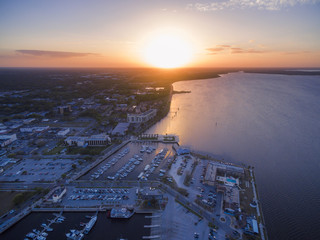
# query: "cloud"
x,y
233,50
271,5
217,49
250,50
223,46
53,54
296,52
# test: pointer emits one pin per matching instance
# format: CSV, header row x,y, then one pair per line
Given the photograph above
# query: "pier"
x,y
151,226
151,237
46,227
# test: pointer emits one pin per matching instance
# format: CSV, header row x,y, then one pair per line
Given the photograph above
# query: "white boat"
x,y
40,238
90,224
121,213
31,235
74,235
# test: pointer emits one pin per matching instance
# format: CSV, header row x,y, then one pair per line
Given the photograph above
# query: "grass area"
x,y
6,201
169,138
189,209
174,186
85,151
247,196
188,177
55,150
22,197
208,208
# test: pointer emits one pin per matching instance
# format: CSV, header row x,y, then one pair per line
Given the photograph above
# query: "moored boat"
x,y
90,224
121,213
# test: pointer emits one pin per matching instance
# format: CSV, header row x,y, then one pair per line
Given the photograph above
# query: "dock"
x,y
151,226
151,237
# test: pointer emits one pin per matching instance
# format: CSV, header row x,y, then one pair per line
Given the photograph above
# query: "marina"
x,y
112,228
46,227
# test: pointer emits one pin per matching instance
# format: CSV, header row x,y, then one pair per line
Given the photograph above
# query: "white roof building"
x,y
63,132
141,117
7,139
94,140
120,129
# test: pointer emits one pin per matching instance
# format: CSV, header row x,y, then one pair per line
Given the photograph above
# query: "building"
x,y
183,151
7,139
64,109
75,141
28,120
63,132
98,140
57,195
211,177
251,227
94,140
141,117
121,129
34,129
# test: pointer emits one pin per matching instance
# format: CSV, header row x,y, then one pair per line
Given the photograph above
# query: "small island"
x,y
180,92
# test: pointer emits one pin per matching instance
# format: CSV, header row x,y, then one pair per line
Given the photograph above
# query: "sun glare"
x,y
167,50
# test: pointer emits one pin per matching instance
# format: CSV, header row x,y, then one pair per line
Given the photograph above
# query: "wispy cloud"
x,y
233,50
217,49
297,52
271,5
53,54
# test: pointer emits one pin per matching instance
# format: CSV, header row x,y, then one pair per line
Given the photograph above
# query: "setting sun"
x,y
167,51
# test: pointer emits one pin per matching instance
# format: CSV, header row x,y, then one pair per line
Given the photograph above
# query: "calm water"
x,y
104,229
269,121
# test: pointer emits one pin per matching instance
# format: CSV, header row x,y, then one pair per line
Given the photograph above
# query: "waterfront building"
x,y
141,117
211,177
94,140
121,129
251,227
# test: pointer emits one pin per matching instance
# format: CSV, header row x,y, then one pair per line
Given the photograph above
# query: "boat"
x,y
74,235
90,224
121,213
40,238
31,235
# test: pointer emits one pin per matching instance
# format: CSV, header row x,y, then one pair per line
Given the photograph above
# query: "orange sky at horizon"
x,y
113,34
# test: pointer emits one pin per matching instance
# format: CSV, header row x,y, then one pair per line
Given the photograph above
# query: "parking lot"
x,y
143,160
29,170
205,194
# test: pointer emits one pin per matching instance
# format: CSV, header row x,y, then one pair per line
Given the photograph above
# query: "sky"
x,y
108,33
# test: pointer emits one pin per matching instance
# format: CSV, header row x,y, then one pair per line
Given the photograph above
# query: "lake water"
x,y
271,122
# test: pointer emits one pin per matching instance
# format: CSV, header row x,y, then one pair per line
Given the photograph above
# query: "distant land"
x,y
9,77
